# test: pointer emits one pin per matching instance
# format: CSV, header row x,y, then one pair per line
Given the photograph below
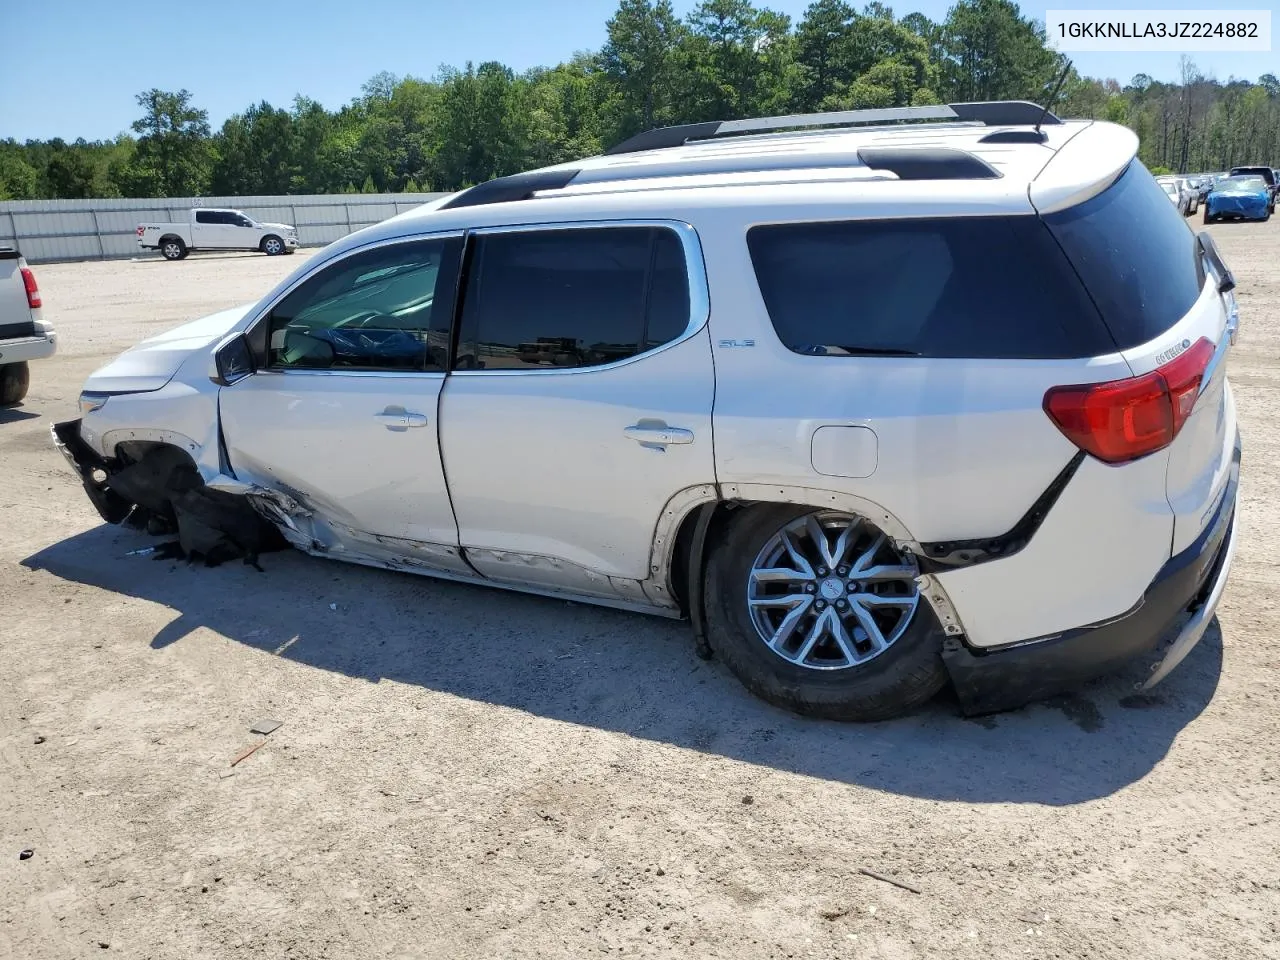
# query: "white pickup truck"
x,y
23,334
211,229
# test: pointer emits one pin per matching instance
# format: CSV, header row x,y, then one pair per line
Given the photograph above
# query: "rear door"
x,y
343,418
1150,278
580,402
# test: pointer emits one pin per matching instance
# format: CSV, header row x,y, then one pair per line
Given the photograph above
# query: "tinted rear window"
x,y
1136,254
977,287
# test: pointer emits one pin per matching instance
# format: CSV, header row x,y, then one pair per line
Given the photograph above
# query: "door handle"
x,y
658,436
401,421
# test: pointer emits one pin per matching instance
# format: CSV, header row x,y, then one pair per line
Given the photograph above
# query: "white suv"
x,y
875,404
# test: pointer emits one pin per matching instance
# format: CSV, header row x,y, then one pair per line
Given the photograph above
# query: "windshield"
x,y
1243,185
1170,189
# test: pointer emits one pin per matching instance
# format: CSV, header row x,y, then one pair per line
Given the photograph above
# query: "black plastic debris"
x,y
212,526
26,854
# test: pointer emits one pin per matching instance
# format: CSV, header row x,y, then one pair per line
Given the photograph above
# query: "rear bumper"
x,y
1177,606
27,348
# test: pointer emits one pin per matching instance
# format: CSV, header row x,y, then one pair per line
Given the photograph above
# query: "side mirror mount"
x,y
232,360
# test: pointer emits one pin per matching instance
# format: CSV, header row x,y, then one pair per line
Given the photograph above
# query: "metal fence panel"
x,y
51,230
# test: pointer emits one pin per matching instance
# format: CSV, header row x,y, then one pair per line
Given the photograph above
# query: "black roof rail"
x,y
990,113
518,186
1004,113
928,163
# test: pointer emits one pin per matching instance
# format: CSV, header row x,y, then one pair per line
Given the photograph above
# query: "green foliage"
x,y
727,59
1160,171
174,151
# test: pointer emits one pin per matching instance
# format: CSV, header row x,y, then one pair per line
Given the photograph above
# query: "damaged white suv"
x,y
878,400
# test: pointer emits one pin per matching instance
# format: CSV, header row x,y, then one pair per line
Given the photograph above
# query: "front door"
x,y
580,402
344,417
216,230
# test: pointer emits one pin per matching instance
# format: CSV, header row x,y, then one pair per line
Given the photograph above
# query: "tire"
x,y
272,245
15,378
907,671
1207,219
172,248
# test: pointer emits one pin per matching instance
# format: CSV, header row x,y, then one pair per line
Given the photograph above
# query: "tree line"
x,y
726,60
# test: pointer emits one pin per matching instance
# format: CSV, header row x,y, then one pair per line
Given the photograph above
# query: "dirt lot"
x,y
465,773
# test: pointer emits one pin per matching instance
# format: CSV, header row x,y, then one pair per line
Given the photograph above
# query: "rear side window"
x,y
572,298
977,287
206,216
1136,255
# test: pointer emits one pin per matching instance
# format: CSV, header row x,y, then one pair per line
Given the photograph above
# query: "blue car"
x,y
1238,198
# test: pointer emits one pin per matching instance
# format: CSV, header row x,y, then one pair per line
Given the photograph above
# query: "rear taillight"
x,y
1122,420
141,231
33,291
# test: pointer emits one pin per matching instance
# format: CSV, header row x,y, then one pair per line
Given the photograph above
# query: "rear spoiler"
x,y
1226,279
9,253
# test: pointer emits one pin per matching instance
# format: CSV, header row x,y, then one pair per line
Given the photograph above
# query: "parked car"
x,y
1238,198
1181,195
833,441
1193,194
1201,184
207,229
1267,174
24,334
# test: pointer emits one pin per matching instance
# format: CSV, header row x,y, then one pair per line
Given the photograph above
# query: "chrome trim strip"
x,y
695,269
1220,352
350,372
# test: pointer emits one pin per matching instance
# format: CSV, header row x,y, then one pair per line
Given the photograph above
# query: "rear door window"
x,y
578,297
976,287
1136,255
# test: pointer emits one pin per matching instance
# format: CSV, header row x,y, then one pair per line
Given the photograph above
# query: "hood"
x,y
277,226
153,362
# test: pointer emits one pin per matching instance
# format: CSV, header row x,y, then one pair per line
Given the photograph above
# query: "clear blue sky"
x,y
72,67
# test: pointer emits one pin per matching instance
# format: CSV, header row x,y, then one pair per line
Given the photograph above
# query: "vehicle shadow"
x,y
17,415
638,675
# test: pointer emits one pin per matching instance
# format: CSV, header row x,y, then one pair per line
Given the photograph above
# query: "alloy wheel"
x,y
830,591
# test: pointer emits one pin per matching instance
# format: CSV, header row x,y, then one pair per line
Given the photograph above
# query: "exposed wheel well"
x,y
683,561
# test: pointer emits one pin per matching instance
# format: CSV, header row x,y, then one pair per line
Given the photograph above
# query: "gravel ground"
x,y
466,773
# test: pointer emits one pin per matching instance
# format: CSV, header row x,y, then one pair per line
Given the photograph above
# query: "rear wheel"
x,y
1207,218
272,246
818,612
14,380
171,248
